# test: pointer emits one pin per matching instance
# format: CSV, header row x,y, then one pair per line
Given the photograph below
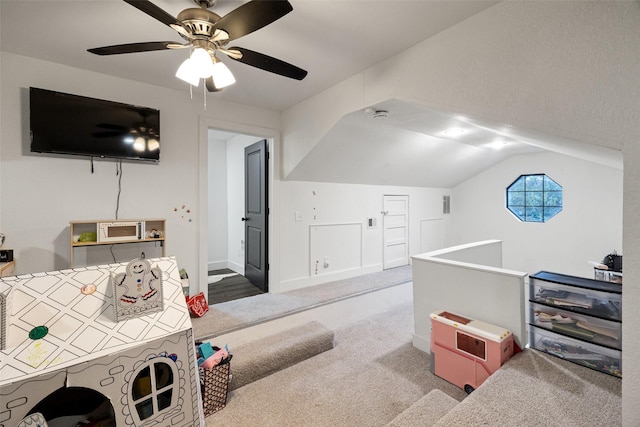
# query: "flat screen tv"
x,y
62,123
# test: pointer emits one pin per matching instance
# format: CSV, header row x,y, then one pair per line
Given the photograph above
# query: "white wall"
x,y
567,69
327,204
41,194
476,286
226,202
217,251
588,228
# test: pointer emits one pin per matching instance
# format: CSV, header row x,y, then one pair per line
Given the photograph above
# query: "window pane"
x,y
533,198
533,214
553,198
517,185
142,384
164,375
551,185
534,182
515,198
164,400
518,211
145,409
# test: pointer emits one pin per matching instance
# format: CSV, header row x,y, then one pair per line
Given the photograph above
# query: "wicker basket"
x,y
215,385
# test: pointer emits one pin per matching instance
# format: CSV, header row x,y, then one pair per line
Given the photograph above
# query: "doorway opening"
x,y
235,244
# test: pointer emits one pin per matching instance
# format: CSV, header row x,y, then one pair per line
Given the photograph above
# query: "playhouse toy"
x,y
465,351
138,290
67,358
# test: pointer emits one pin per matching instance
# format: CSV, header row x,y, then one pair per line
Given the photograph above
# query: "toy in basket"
x,y
215,374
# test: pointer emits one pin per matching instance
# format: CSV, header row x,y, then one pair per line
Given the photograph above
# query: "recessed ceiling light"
x,y
453,132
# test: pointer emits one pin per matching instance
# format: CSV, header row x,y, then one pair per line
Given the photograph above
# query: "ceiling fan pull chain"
x,y
204,94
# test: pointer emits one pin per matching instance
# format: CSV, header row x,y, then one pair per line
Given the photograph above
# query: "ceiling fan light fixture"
x,y
188,73
202,62
222,76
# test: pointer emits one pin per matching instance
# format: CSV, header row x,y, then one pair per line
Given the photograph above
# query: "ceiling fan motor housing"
x,y
199,22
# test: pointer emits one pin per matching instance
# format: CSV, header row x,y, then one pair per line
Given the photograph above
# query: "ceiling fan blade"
x,y
268,63
159,14
211,86
132,48
154,11
252,16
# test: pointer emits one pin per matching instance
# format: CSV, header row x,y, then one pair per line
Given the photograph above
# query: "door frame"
x,y
273,142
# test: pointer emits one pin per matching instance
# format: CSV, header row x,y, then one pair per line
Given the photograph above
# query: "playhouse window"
x,y
471,345
153,389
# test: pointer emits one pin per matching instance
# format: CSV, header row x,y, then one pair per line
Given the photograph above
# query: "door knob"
x,y
245,219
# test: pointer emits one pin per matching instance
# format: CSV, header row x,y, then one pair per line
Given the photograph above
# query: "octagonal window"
x,y
534,198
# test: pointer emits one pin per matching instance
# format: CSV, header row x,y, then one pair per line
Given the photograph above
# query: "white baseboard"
x,y
219,265
216,265
304,282
236,267
422,343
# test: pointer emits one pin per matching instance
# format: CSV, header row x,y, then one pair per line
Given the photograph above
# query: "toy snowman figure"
x,y
139,289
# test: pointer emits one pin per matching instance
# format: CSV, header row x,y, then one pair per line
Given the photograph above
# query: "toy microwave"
x,y
120,231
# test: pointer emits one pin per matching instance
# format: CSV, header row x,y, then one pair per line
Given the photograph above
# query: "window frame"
x,y
539,198
155,391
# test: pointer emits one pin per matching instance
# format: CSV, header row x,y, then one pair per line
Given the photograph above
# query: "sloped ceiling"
x,y
333,40
406,146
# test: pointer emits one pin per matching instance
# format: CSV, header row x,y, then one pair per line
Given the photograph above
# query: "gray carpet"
x,y
537,389
374,373
266,356
426,411
229,316
371,375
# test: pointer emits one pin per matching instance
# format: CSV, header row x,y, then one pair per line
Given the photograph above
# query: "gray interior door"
x,y
256,215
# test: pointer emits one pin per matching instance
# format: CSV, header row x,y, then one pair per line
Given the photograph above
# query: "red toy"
x,y
197,305
466,351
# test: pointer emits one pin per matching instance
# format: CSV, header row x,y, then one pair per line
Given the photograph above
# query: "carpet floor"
x,y
232,315
374,373
371,375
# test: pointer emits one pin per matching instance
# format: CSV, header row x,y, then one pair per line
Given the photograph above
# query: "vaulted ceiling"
x,y
331,39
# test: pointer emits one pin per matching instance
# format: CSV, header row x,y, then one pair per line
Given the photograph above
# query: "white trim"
x,y
273,143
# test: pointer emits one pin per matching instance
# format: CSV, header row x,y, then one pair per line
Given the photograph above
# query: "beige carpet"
x,y
536,389
229,316
371,375
374,373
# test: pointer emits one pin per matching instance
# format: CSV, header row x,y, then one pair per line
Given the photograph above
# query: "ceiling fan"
x,y
206,33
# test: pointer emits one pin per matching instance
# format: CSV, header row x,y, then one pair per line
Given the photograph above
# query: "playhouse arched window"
x,y
154,388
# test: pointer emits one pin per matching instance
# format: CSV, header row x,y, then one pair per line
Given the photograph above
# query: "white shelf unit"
x,y
146,227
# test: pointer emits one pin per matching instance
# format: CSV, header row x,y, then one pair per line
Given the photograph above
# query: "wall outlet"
x,y
298,216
